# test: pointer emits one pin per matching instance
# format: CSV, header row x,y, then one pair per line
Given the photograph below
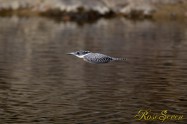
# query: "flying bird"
x,y
94,58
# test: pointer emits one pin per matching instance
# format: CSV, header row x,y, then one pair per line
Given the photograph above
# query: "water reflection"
x,y
39,83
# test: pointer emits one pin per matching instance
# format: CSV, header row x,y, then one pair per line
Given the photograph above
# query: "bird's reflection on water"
x,y
39,83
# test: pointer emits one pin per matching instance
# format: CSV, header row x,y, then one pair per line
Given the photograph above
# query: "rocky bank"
x,y
93,9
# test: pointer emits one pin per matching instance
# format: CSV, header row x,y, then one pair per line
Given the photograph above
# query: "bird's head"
x,y
79,54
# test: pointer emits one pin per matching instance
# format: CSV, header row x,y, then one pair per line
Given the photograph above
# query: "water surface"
x,y
40,84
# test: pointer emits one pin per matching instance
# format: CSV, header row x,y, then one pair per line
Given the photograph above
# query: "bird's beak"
x,y
70,53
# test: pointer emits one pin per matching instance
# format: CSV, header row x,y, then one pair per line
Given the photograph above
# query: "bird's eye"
x,y
78,53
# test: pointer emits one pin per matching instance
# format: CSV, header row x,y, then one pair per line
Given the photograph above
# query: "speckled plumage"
x,y
95,58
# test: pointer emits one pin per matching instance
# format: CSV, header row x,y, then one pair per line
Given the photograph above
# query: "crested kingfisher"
x,y
94,58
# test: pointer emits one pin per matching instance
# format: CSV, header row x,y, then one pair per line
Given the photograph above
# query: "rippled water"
x,y
40,84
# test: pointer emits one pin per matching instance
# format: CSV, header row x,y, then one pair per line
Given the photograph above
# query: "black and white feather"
x,y
95,58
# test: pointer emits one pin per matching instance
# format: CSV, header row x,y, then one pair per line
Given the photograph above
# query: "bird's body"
x,y
94,58
97,58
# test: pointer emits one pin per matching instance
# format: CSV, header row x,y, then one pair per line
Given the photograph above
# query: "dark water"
x,y
40,84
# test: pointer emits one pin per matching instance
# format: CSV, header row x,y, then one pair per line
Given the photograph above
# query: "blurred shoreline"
x,y
83,10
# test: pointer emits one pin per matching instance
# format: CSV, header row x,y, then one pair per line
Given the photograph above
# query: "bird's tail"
x,y
119,59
